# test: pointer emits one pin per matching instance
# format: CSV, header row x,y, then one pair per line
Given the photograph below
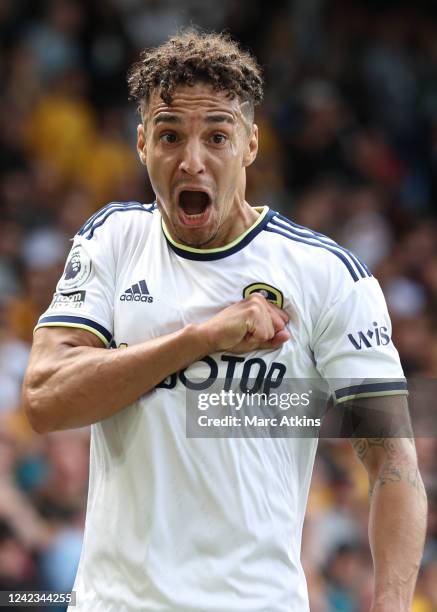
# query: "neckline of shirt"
x,y
228,249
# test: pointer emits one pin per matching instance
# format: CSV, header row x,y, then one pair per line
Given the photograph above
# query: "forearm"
x,y
71,381
397,527
22,517
86,384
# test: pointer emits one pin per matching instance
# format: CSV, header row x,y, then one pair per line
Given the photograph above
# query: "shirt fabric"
x,y
210,524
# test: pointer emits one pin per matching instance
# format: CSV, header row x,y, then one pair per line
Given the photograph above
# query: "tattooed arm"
x,y
398,510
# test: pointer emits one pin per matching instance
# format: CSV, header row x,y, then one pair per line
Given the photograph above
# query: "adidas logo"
x,y
137,293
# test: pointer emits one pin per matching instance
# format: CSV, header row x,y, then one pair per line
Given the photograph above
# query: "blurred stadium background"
x,y
348,147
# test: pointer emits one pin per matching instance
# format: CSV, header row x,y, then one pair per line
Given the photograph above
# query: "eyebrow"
x,y
166,118
219,119
170,118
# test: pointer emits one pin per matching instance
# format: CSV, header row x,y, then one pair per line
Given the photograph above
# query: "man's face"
x,y
196,150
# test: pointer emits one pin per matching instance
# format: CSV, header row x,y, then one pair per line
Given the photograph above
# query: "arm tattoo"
x,y
397,465
363,445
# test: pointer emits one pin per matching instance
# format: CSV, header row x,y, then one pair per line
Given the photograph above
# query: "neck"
x,y
242,217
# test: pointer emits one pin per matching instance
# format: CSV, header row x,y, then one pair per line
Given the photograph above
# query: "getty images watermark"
x,y
221,412
240,401
307,408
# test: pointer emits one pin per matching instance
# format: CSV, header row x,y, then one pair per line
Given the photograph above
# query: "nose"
x,y
192,162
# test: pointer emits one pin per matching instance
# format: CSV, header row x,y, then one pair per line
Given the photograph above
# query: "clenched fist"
x,y
253,323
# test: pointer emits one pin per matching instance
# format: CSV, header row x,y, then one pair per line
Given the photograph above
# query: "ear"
x,y
251,149
141,144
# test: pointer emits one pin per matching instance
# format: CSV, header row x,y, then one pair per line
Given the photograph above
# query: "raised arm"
x,y
72,381
398,510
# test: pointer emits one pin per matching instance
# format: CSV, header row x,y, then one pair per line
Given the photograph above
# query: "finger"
x,y
270,324
279,321
260,324
271,307
278,339
278,312
249,343
252,341
243,347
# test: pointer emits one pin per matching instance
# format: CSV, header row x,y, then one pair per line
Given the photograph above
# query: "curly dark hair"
x,y
192,57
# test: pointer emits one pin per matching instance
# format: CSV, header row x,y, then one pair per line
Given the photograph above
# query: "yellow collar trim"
x,y
263,211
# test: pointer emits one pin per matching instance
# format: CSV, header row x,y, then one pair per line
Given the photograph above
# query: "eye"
x,y
218,139
168,138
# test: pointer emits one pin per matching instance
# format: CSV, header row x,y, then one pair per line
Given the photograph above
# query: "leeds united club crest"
x,y
270,293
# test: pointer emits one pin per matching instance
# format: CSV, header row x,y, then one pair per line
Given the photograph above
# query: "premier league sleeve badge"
x,y
77,270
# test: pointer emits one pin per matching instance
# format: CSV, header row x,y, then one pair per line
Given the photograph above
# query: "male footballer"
x,y
202,286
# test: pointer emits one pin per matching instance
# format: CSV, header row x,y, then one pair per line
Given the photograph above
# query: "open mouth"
x,y
194,207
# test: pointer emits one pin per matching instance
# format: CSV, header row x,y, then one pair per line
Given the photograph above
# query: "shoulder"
x,y
116,217
318,257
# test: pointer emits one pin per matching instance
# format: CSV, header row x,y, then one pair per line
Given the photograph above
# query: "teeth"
x,y
196,216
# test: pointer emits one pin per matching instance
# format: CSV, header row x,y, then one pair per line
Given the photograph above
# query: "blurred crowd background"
x,y
348,148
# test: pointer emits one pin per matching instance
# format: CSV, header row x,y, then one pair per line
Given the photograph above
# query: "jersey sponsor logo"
x,y
137,293
77,270
254,375
72,300
270,293
376,336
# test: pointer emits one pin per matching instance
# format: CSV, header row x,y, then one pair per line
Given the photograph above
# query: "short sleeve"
x,y
84,295
352,345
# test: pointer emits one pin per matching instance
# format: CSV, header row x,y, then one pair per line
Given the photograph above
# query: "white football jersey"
x,y
185,524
